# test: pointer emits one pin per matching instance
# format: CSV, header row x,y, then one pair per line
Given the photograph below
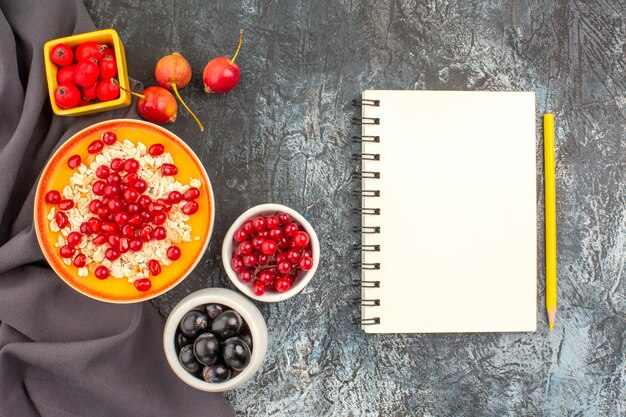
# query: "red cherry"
x,y
61,220
108,67
53,197
66,75
109,138
154,267
128,231
103,172
111,254
88,50
141,185
190,208
175,197
245,275
191,194
101,272
74,161
283,218
169,169
108,89
74,238
291,229
156,149
86,73
258,288
67,96
268,247
222,74
98,187
159,233
131,195
300,240
95,147
147,233
282,284
306,263
131,165
80,260
240,235
90,92
117,164
108,227
173,253
136,244
62,55
67,251
259,224
100,239
85,229
143,284
66,204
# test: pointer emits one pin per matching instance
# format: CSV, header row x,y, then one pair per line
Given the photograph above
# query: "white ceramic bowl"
x,y
303,278
235,301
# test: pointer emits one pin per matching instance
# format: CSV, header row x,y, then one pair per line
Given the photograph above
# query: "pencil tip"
x,y
551,317
551,326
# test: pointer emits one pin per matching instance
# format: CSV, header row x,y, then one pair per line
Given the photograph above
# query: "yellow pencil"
x,y
550,186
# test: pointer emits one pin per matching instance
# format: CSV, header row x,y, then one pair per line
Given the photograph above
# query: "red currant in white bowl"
x,y
271,252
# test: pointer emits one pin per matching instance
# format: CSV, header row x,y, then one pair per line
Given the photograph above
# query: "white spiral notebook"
x,y
449,218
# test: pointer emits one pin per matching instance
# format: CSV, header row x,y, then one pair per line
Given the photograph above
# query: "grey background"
x,y
283,135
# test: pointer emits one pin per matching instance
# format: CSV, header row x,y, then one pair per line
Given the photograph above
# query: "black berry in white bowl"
x,y
215,339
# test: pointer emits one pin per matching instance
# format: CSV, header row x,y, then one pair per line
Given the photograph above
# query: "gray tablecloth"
x,y
61,353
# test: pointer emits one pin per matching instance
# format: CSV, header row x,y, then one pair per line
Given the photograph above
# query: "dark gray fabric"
x,y
61,353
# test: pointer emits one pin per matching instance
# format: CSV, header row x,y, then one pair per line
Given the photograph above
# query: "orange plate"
x,y
56,176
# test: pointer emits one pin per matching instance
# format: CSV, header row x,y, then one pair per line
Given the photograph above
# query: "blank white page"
x,y
458,227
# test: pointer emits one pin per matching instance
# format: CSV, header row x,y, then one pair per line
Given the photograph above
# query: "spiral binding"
x,y
366,211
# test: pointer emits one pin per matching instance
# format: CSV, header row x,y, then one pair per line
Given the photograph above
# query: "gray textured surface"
x,y
283,136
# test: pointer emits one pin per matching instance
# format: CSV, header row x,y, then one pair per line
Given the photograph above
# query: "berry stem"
x,y
186,107
132,93
238,47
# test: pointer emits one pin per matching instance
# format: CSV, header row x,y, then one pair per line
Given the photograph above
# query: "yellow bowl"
x,y
106,36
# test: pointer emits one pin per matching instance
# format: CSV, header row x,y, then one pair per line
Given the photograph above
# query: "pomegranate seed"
x,y
173,253
245,275
121,218
258,288
111,190
143,284
113,240
275,234
300,240
74,238
98,187
146,233
111,254
144,201
282,284
67,251
117,164
100,239
272,222
74,161
61,220
94,205
109,228
131,165
53,197
135,220
66,204
130,179
102,272
169,169
109,138
141,185
85,229
156,149
263,259
80,260
114,178
103,172
159,233
306,263
291,229
135,244
175,197
123,245
95,147
145,215
154,267
268,247
159,217
128,231
133,208
165,204
190,208
191,194
95,224
103,212
115,205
